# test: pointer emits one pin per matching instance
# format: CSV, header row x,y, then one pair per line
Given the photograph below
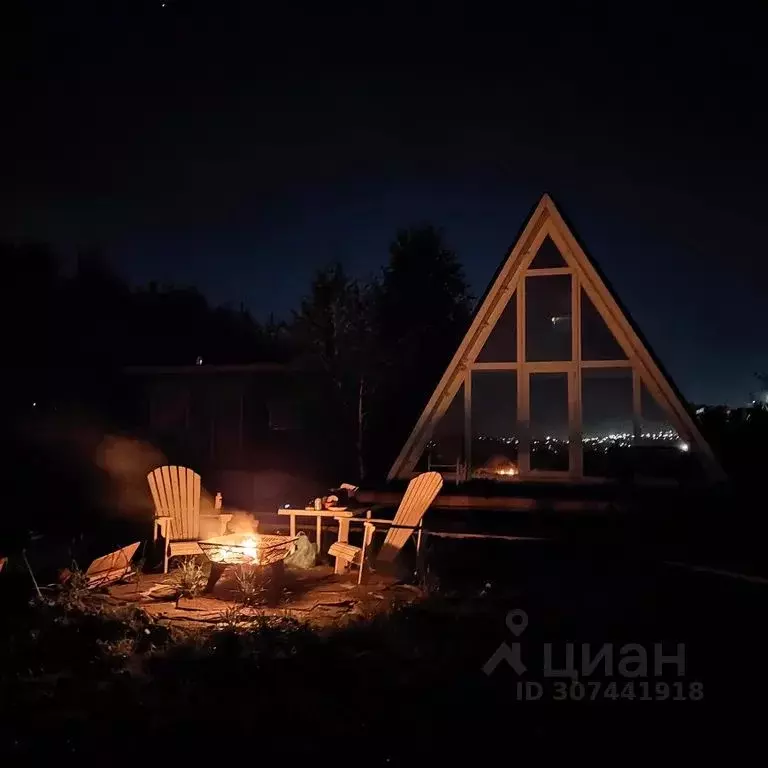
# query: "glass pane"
x,y
548,318
494,425
501,344
655,426
597,341
606,420
548,256
447,444
660,452
549,421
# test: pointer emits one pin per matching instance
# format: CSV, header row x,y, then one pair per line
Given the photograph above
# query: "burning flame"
x,y
507,471
246,551
251,549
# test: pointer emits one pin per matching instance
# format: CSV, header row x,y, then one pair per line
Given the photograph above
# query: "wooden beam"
x,y
493,367
550,366
606,363
549,272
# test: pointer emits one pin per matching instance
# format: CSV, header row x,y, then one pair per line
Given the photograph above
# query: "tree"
x,y
332,335
422,310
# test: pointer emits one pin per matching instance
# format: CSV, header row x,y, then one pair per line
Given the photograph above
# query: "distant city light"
x,y
599,443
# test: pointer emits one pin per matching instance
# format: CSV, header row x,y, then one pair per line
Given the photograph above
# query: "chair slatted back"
x,y
176,492
419,494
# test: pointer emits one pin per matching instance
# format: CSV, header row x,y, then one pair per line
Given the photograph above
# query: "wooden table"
x,y
319,514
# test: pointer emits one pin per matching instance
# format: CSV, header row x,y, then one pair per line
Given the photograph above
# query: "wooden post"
x,y
319,530
292,518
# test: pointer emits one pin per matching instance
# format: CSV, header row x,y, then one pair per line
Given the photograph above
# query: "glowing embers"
x,y
498,467
247,548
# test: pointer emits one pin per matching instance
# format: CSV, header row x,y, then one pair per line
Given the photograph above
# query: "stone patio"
x,y
315,595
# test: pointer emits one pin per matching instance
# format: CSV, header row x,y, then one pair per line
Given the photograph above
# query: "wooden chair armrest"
x,y
162,522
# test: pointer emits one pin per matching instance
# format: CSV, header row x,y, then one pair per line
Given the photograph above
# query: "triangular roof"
x,y
546,221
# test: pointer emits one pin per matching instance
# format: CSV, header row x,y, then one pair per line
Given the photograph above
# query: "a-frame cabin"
x,y
554,381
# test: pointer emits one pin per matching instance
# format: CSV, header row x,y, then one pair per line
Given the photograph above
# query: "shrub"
x,y
249,584
189,579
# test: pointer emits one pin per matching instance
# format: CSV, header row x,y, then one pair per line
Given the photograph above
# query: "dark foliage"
x,y
381,346
102,681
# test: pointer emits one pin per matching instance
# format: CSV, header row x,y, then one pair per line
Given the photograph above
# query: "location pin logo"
x,y
517,621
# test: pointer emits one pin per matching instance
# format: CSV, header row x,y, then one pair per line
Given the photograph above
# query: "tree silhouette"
x,y
422,310
331,334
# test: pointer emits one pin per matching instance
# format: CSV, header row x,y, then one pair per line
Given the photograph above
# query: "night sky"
x,y
239,147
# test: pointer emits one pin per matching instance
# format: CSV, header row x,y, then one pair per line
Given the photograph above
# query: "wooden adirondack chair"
x,y
419,494
176,493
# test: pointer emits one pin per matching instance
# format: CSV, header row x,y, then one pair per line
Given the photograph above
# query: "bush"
x,y
189,579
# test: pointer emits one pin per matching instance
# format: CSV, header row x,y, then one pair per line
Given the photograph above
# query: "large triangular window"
x,y
555,380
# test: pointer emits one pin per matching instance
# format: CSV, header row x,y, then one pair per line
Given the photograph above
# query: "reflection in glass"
x,y
446,447
549,421
547,256
501,344
597,341
494,425
548,318
606,420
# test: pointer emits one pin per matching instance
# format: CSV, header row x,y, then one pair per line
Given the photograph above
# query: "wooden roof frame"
x,y
547,220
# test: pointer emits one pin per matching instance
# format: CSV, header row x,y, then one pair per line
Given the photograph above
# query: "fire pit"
x,y
245,549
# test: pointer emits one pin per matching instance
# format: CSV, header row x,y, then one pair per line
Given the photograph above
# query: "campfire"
x,y
247,548
498,467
